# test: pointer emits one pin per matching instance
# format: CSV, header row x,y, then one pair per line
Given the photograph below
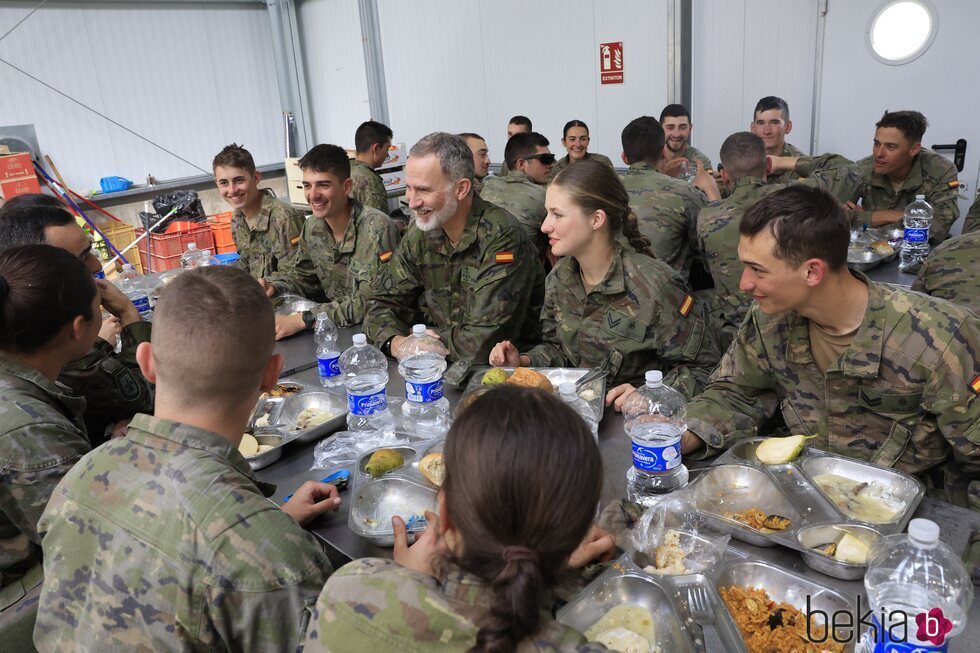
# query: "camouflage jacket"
x,y
489,288
376,605
563,162
971,222
341,272
932,175
165,541
787,175
523,199
41,436
667,210
693,155
112,384
951,272
268,241
717,229
367,187
640,318
904,394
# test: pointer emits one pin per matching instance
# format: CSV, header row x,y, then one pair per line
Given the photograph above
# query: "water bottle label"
x,y
913,235
329,367
100,275
142,305
656,459
881,640
367,404
422,393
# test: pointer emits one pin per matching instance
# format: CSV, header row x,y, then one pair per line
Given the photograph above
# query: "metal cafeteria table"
x,y
342,545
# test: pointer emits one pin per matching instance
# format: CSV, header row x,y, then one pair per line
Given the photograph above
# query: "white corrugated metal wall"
x,y
189,77
469,66
744,50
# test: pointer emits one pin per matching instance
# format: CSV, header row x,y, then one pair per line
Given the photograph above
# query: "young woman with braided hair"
x,y
523,475
608,301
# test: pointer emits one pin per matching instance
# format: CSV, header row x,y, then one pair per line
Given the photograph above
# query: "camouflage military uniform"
x,y
932,175
971,222
717,229
41,436
667,210
640,317
563,162
693,155
488,288
376,605
367,187
523,199
951,272
341,272
164,541
787,175
267,241
900,396
112,384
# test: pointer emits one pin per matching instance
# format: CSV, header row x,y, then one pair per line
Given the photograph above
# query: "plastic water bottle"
x,y
422,365
915,244
655,418
327,354
133,285
365,373
194,257
688,171
908,578
567,393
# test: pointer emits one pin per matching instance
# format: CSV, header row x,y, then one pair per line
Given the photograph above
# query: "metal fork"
x,y
701,612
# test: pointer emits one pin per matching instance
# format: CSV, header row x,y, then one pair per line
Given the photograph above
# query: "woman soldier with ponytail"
x,y
608,301
523,475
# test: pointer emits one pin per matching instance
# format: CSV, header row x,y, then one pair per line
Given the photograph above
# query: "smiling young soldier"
x,y
344,246
899,169
875,372
676,121
771,123
266,231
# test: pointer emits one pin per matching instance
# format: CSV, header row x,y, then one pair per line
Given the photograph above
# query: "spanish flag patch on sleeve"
x,y
504,257
294,240
954,184
384,256
976,385
686,305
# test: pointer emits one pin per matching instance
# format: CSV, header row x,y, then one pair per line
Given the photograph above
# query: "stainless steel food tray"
x,y
863,257
593,393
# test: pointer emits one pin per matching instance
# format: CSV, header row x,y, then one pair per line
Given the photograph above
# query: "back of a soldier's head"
x,y
643,140
371,133
213,336
743,154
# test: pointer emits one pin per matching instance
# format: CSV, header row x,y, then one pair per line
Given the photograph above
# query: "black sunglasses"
x,y
546,159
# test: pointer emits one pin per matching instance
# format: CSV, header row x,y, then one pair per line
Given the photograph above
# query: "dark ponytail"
x,y
593,186
43,288
523,476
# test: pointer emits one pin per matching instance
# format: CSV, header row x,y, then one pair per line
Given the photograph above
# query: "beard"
x,y
677,147
438,219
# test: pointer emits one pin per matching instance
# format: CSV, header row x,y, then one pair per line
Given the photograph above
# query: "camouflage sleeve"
x,y
972,221
288,224
41,455
921,283
740,394
836,174
550,352
132,335
349,311
395,293
684,342
497,300
298,275
368,189
945,211
702,157
951,397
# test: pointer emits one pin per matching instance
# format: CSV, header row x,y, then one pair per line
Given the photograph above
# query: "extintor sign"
x,y
611,63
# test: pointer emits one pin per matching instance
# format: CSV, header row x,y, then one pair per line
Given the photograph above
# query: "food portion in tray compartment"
x,y
847,549
778,451
626,628
759,520
383,461
768,626
433,468
668,559
866,501
310,417
521,376
250,446
285,390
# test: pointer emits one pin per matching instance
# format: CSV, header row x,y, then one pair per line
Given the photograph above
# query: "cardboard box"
x,y
293,172
397,154
393,180
296,194
16,166
23,186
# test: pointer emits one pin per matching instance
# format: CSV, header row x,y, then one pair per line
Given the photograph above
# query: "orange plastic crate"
x,y
165,249
224,241
122,235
